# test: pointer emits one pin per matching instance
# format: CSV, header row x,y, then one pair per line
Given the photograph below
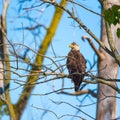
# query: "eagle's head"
x,y
74,46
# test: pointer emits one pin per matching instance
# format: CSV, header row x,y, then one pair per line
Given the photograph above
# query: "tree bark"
x,y
108,69
5,74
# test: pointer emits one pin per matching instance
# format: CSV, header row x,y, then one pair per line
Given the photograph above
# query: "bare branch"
x,y
81,25
22,102
60,102
112,44
71,1
81,92
100,55
58,117
33,27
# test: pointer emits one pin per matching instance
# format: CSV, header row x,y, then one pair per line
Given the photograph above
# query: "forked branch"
x,y
100,55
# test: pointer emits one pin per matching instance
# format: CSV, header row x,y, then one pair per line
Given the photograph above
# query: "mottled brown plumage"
x,y
76,65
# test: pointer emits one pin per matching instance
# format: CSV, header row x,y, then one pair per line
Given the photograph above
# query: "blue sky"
x,y
66,33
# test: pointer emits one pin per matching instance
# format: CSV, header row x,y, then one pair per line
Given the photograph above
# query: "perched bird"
x,y
76,65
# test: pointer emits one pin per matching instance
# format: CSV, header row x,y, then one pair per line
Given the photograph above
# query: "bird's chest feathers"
x,y
77,56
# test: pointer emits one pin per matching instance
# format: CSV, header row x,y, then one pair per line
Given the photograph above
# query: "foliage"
x,y
112,16
118,32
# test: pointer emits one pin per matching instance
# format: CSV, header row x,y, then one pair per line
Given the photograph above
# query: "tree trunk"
x,y
1,59
107,69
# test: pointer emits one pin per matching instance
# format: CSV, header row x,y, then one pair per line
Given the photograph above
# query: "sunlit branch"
x,y
100,55
81,92
38,54
22,102
81,25
112,44
4,41
62,75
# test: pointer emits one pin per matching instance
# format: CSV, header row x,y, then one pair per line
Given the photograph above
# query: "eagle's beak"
x,y
71,46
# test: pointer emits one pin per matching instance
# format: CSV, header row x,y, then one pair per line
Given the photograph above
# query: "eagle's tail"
x,y
76,88
77,84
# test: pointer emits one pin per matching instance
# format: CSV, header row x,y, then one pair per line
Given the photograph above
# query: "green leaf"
x,y
118,32
112,15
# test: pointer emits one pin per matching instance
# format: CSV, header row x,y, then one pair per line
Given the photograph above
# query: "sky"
x,y
42,106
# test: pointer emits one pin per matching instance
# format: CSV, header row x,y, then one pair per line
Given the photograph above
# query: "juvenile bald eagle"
x,y
76,65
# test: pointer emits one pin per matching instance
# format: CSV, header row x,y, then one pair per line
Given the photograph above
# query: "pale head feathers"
x,y
74,46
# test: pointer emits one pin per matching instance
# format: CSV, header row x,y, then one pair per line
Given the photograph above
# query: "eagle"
x,y
76,65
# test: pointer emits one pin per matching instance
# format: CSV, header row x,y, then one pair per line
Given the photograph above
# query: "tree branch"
x,y
81,92
58,117
71,1
81,25
112,44
20,106
6,61
60,102
100,55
